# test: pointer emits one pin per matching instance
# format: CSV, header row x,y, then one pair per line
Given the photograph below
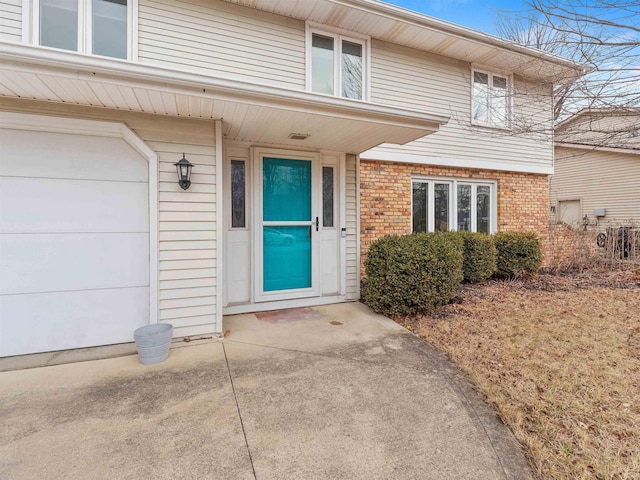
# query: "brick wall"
x,y
385,198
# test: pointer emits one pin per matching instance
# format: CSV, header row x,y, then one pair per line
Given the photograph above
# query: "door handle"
x,y
317,223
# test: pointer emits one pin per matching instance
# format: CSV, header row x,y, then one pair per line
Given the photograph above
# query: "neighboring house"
x,y
597,168
313,127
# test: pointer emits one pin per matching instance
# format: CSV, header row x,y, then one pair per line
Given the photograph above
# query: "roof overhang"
x,y
405,27
250,112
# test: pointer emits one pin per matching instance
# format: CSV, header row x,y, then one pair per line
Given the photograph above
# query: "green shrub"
x,y
519,254
412,274
479,256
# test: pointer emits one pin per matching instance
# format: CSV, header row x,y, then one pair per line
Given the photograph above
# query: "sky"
x,y
476,14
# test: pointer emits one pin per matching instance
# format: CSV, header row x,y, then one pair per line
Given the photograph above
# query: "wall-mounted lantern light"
x,y
184,172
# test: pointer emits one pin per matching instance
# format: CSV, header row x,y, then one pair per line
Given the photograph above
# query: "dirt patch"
x,y
560,358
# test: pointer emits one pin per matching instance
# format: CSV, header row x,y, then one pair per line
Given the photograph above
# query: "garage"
x,y
74,234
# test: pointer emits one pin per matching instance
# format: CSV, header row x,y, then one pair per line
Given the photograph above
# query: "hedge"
x,y
519,254
479,256
412,274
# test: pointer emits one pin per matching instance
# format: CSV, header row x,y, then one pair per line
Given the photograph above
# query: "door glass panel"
x,y
110,28
464,207
484,209
238,197
287,257
419,221
351,70
327,196
286,187
59,24
322,64
441,207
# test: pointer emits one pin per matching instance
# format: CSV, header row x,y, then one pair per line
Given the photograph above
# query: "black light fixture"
x,y
184,172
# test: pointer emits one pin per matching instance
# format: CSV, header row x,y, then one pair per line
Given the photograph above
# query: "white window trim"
x,y
453,201
31,27
338,35
491,74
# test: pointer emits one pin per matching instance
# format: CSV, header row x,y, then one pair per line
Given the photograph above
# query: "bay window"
x,y
439,205
99,27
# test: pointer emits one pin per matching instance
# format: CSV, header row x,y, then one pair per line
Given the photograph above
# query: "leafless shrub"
x,y
612,246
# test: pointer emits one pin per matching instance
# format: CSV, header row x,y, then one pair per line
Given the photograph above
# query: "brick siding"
x,y
385,198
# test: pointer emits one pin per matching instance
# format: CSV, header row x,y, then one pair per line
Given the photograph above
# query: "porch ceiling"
x,y
250,112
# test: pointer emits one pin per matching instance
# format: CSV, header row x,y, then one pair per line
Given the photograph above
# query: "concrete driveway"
x,y
332,392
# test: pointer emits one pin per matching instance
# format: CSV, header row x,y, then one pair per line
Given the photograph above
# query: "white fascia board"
x,y
596,148
128,73
473,163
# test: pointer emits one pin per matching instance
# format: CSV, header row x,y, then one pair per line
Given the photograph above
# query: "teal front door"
x,y
288,228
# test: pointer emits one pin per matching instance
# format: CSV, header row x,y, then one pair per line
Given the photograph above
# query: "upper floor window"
x,y
490,99
99,27
439,205
336,64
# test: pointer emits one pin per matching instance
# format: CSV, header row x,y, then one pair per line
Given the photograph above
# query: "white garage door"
x,y
74,241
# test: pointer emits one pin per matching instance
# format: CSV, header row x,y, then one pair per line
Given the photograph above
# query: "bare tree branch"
x,y
602,34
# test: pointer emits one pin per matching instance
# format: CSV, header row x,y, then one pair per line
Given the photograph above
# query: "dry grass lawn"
x,y
560,358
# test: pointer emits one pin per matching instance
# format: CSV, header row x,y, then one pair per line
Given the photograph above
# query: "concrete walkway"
x,y
333,392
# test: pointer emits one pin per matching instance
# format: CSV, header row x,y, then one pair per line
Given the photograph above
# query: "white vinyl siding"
x,y
186,219
353,227
11,20
221,39
413,79
599,179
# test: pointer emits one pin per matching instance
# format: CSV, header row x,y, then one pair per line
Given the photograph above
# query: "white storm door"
x,y
287,227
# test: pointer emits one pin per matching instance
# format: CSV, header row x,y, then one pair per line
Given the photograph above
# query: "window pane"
x,y
484,209
286,190
351,70
59,24
481,96
327,196
499,101
441,207
110,28
500,82
322,64
238,197
419,221
464,207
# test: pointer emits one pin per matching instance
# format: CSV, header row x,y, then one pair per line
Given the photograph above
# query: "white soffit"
x,y
250,112
404,27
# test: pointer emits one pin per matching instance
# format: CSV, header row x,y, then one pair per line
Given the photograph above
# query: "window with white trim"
x,y
439,205
337,64
491,99
98,27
